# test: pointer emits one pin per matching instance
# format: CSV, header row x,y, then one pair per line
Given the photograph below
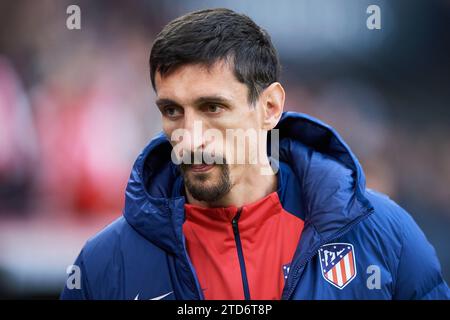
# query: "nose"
x,y
192,134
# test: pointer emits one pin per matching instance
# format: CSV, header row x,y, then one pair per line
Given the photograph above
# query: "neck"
x,y
248,187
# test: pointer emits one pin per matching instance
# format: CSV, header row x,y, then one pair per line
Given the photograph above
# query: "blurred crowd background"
x,y
76,108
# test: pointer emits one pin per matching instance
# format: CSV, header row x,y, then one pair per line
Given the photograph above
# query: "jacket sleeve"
x,y
419,272
76,286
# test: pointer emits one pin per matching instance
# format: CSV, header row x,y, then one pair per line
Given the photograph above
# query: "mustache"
x,y
201,157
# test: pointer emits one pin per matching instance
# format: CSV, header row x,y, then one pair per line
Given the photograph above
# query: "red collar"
x,y
252,214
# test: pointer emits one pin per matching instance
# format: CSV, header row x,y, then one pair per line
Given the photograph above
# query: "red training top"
x,y
244,260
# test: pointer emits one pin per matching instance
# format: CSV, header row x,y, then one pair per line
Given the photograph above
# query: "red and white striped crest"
x,y
337,261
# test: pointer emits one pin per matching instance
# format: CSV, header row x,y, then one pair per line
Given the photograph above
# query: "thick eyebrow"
x,y
162,102
212,99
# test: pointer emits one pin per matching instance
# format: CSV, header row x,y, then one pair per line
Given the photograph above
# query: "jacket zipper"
x,y
316,248
240,253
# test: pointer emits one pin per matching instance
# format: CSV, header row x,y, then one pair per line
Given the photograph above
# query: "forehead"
x,y
189,82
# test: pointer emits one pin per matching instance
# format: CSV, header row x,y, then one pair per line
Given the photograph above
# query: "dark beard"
x,y
201,192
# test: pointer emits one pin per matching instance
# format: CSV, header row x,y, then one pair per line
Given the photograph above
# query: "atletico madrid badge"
x,y
337,261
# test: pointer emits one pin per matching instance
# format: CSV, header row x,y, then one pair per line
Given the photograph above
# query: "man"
x,y
295,223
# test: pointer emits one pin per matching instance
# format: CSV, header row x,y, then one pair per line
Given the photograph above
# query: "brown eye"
x,y
172,112
214,108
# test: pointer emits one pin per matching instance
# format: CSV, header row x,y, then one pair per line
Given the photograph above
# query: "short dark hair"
x,y
210,35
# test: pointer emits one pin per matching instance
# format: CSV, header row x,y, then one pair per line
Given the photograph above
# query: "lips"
x,y
201,167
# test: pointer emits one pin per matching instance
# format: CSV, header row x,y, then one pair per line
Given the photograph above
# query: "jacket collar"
x,y
331,178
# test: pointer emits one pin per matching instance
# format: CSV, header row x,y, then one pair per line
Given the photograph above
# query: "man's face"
x,y
195,99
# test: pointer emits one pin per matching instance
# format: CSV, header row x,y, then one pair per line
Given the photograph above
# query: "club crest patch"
x,y
338,264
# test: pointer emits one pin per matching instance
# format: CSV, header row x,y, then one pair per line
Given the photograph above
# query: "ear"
x,y
273,104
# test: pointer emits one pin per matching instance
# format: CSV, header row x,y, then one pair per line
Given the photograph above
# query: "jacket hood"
x,y
332,183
